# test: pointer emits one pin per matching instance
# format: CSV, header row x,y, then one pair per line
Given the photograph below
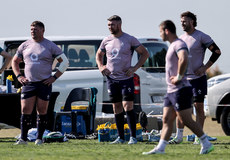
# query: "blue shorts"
x,y
120,90
199,88
38,89
180,100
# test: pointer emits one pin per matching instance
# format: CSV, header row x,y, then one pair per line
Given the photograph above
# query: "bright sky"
x,y
140,18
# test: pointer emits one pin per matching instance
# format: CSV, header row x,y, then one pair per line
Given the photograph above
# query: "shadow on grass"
x,y
228,143
7,140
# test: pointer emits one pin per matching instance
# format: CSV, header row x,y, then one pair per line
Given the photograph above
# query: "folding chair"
x,y
85,96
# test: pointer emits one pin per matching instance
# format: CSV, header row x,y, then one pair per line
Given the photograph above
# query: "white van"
x,y
83,71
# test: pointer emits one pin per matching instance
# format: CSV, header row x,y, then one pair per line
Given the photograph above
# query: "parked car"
x,y
217,79
217,102
149,80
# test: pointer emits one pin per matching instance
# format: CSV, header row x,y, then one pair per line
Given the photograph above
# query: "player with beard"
x,y
197,43
118,48
178,100
38,54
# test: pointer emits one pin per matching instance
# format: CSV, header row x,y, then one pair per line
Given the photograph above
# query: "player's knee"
x,y
167,120
128,107
117,108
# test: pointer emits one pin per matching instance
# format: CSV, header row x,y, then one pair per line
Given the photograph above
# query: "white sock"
x,y
162,144
196,137
204,140
179,133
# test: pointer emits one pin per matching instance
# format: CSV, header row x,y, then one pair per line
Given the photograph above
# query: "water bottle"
x,y
8,86
9,80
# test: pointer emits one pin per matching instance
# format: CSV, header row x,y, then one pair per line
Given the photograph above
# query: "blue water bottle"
x,y
8,86
9,80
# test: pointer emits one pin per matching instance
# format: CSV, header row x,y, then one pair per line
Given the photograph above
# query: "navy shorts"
x,y
38,89
199,88
180,100
120,90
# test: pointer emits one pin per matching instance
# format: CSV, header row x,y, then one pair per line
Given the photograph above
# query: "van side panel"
x,y
75,79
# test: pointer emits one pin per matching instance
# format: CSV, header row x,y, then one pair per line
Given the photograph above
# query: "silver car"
x,y
217,102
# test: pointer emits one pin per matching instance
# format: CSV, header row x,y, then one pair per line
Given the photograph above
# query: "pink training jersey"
x,y
38,58
197,43
119,54
172,65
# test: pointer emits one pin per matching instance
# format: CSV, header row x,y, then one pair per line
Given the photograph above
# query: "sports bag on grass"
x,y
53,137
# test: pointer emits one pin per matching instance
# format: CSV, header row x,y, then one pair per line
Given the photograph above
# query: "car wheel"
x,y
225,120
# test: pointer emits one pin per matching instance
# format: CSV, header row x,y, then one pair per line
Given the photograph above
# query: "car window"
x,y
156,61
11,48
80,53
157,53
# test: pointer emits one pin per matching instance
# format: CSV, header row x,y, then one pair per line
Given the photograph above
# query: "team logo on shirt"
x,y
34,58
114,52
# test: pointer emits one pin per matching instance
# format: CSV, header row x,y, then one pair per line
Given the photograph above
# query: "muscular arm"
x,y
64,63
59,73
15,66
8,58
99,60
182,65
143,57
182,62
215,55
